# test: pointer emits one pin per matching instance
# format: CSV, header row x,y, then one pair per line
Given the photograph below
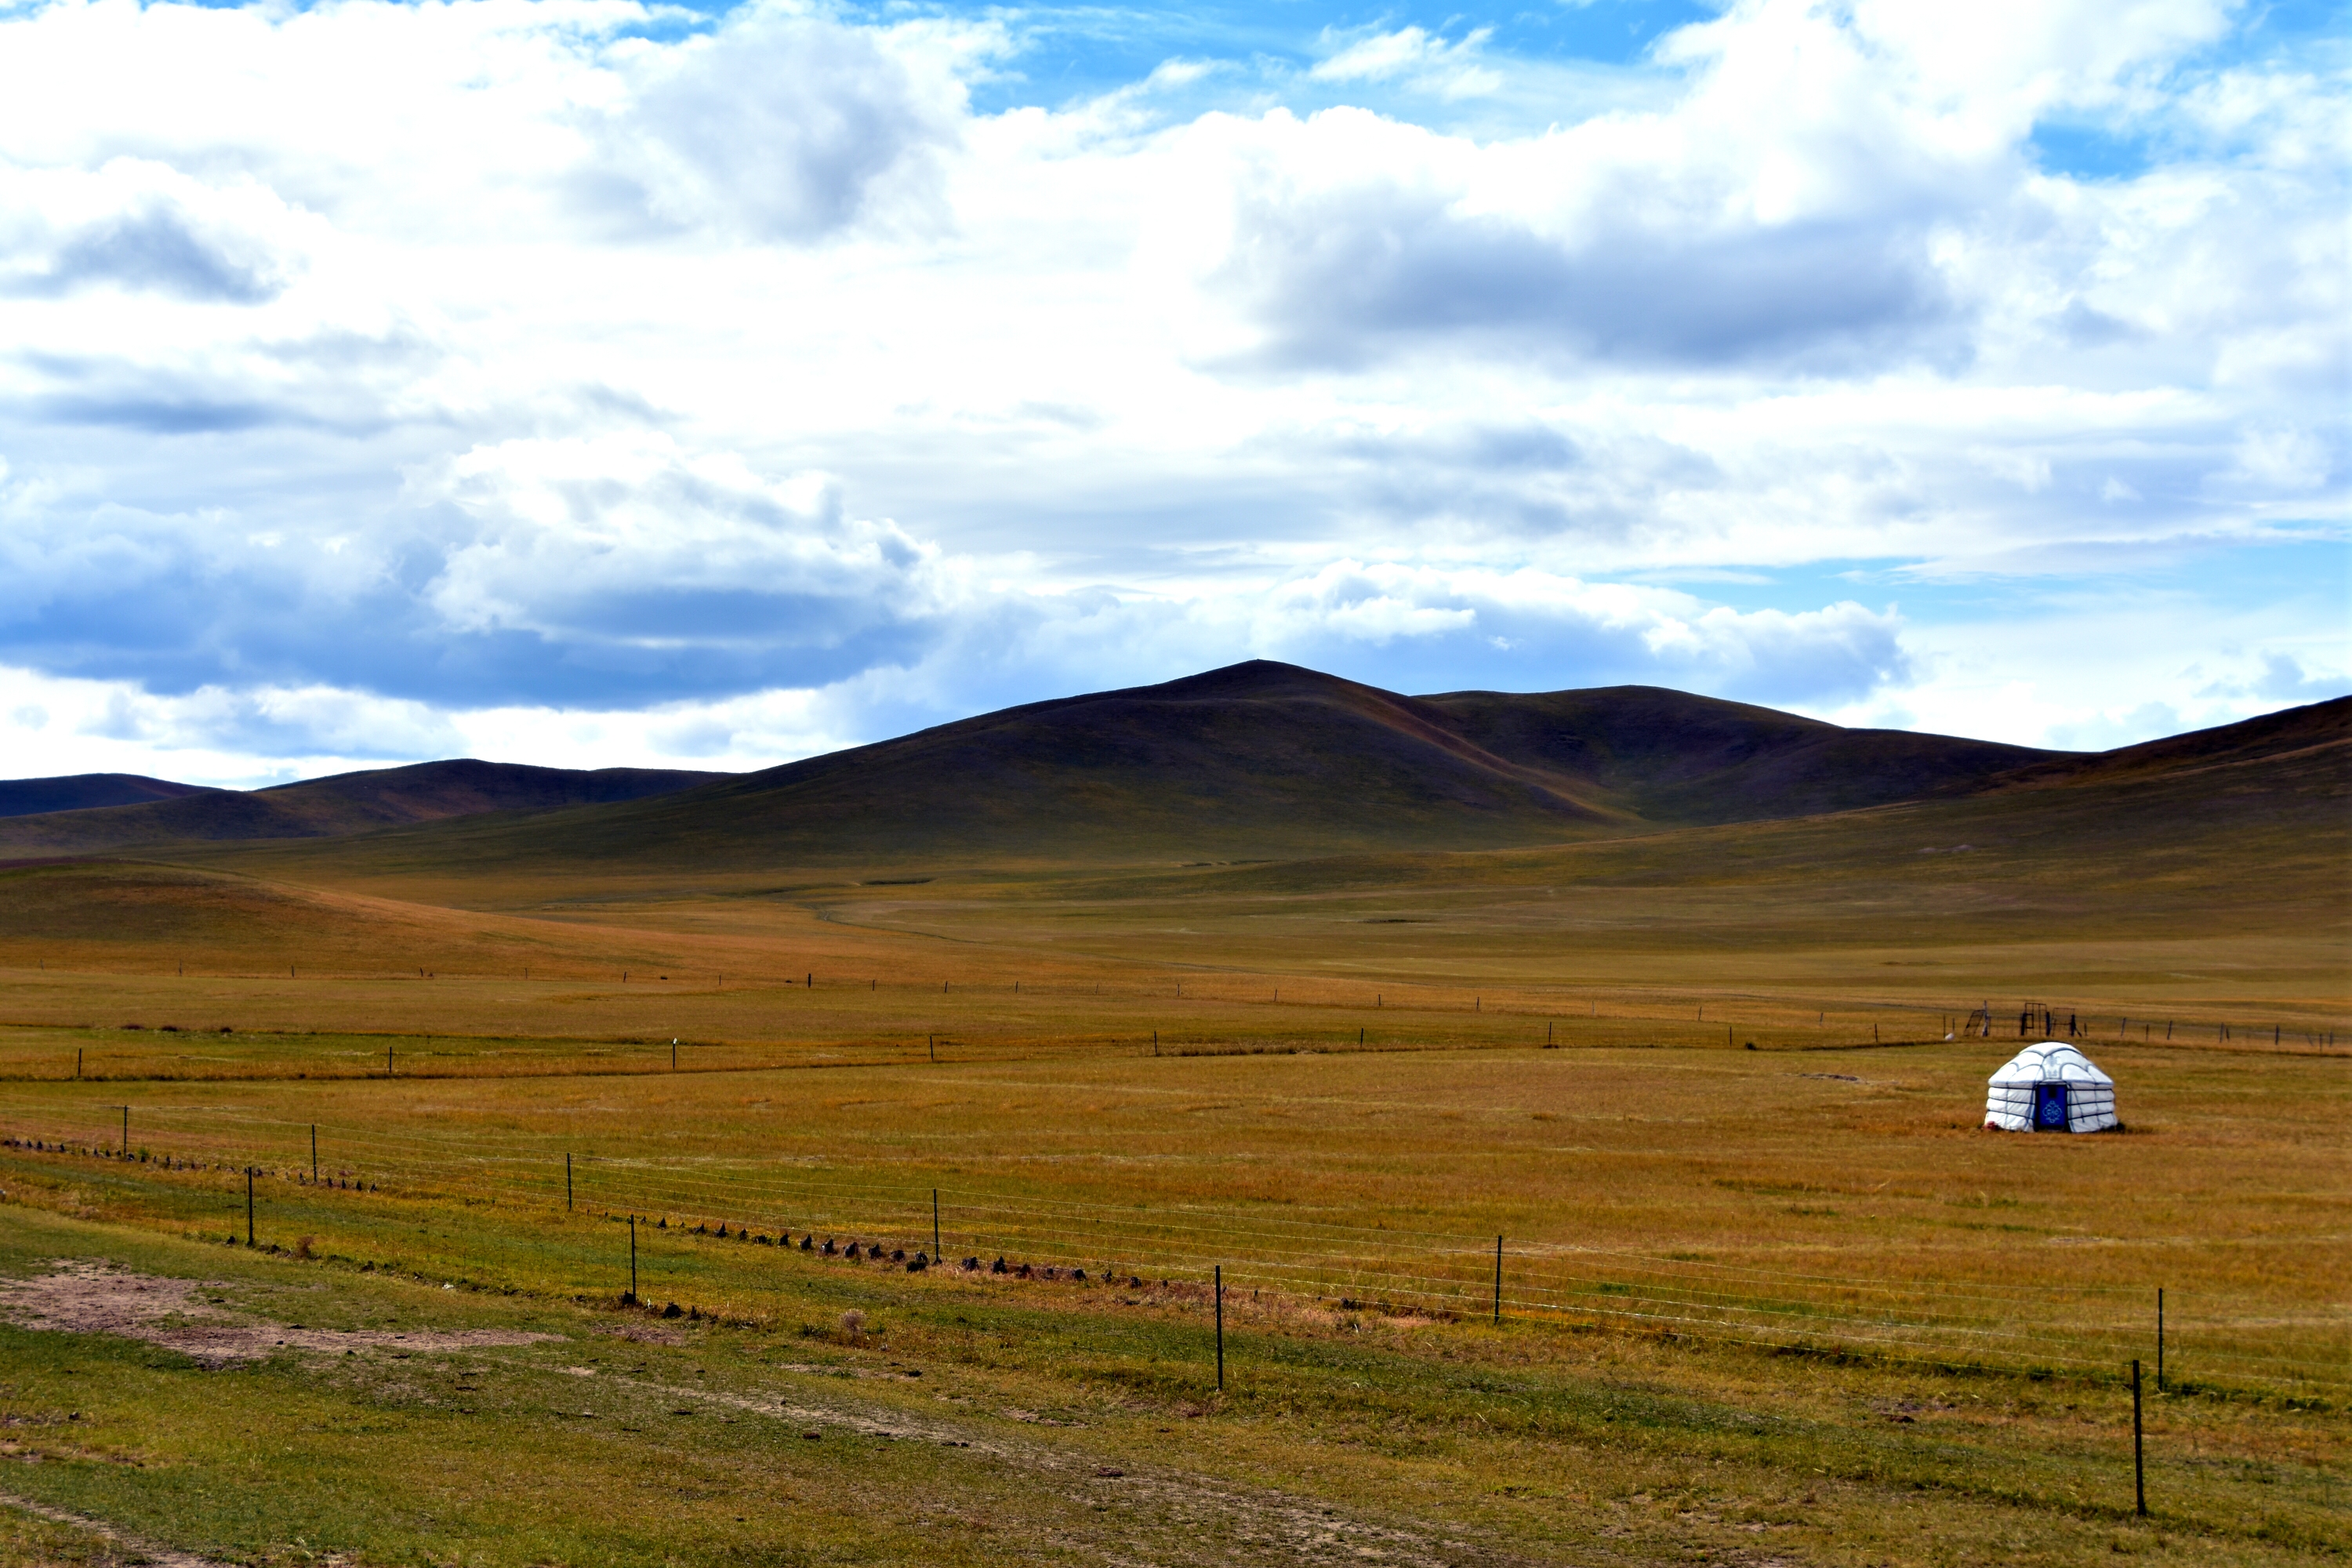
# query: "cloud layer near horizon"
x,y
545,379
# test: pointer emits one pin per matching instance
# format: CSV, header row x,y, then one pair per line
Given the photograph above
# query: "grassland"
x,y
814,1410
1773,1305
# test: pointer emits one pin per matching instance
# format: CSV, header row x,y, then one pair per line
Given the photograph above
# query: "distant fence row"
x,y
166,1054
2066,1326
1981,1018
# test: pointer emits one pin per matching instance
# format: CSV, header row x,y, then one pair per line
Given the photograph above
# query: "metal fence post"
x,y
1221,1328
2139,1471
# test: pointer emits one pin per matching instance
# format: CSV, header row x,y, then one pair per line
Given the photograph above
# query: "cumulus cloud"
x,y
782,126
1787,206
309,721
135,225
1840,189
2280,677
628,551
212,735
1336,275
1547,631
538,570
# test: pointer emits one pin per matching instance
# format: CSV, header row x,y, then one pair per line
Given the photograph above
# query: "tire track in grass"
x,y
136,1548
1186,1504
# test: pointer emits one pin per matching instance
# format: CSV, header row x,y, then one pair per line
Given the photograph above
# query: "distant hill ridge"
x,y
86,792
335,806
1269,760
2316,727
1256,760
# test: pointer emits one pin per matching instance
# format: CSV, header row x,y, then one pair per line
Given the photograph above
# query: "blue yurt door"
x,y
2050,1108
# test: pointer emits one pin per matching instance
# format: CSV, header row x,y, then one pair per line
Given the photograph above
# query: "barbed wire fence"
x,y
1288,1262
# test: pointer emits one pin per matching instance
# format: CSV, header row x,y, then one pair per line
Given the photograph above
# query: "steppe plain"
x,y
1779,1304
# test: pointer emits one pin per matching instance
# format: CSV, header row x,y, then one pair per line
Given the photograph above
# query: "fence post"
x,y
1498,1279
314,1153
2159,1339
633,1260
935,1225
567,1182
249,1205
1221,1328
126,1132
2139,1472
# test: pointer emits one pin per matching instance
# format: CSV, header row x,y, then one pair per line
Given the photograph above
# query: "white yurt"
x,y
2051,1087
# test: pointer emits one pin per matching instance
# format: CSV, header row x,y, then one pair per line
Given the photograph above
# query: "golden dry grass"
x,y
1350,1099
1838,1197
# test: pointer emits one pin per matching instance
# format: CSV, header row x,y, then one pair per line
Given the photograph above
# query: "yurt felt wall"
x,y
2051,1087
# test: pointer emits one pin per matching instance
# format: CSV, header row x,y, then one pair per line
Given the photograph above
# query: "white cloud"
x,y
2288,461
545,364
628,539
136,226
779,125
1422,59
213,735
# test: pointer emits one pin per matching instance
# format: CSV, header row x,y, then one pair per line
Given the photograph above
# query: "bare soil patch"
x,y
86,1297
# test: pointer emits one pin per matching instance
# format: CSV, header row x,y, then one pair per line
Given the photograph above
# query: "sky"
x,y
593,382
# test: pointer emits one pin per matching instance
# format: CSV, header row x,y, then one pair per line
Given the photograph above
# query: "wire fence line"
x,y
341,1057
2107,1020
1323,1264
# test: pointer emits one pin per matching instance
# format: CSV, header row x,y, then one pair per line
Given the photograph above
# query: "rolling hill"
x,y
345,803
2319,730
1257,761
84,792
1240,815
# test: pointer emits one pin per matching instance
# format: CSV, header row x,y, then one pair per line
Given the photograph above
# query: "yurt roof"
x,y
2048,1061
